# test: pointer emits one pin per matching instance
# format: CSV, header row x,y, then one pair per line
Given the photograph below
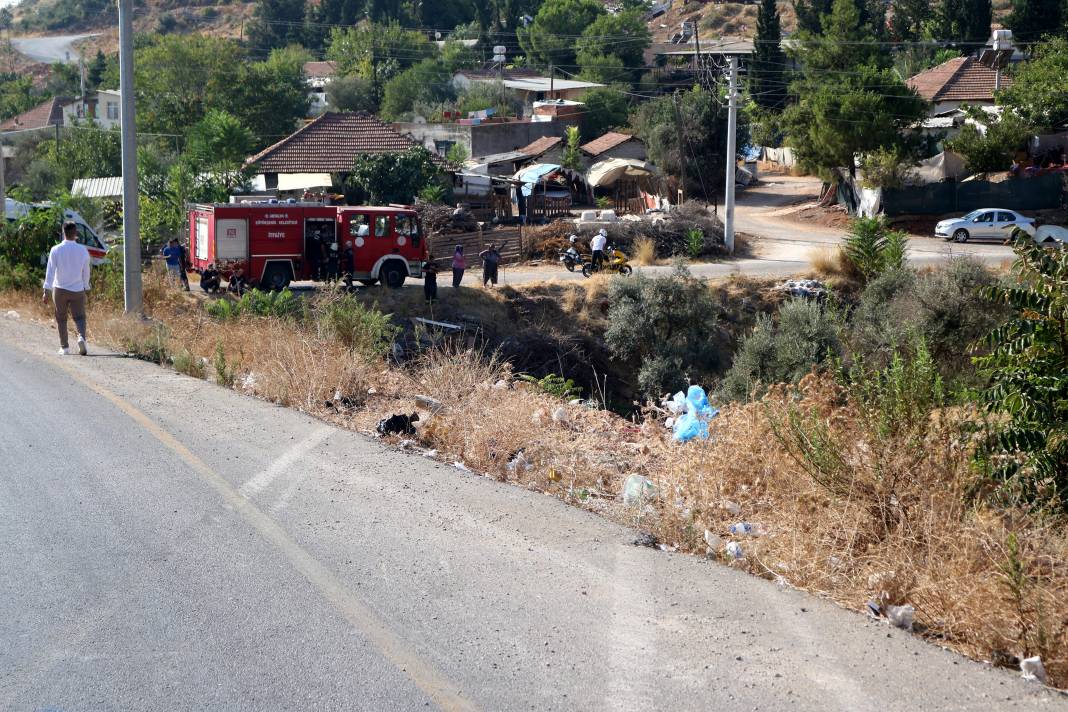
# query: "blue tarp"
x,y
532,174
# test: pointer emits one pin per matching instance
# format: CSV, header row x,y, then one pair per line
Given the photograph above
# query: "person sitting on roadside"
x,y
210,281
238,283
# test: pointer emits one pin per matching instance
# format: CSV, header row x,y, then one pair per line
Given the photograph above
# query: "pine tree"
x,y
95,75
966,21
1031,19
908,19
810,14
276,23
767,73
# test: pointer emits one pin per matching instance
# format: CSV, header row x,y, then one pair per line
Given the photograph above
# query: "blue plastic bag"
x,y
694,422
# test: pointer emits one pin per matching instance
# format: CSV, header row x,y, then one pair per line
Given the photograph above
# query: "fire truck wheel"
x,y
276,277
392,276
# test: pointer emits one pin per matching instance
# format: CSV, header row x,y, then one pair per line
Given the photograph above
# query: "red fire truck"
x,y
276,243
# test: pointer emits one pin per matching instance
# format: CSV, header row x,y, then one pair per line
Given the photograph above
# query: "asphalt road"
x,y
171,545
58,48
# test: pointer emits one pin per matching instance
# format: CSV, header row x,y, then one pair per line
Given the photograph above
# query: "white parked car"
x,y
985,224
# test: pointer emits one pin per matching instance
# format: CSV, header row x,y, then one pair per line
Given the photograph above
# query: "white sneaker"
x,y
63,351
81,346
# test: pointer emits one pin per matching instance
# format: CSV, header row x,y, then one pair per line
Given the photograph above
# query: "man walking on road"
x,y
67,280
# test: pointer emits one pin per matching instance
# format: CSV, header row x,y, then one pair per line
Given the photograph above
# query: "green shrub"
x,y
18,278
900,397
346,319
667,327
1027,366
146,342
807,333
255,302
553,385
695,242
189,364
224,373
873,248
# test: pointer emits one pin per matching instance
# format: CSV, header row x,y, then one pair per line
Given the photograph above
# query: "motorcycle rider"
x,y
597,244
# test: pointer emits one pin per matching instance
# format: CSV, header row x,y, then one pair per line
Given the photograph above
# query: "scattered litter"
x,y
900,616
637,489
665,547
1033,669
873,609
713,541
398,424
731,507
519,463
554,475
461,466
744,529
734,550
575,401
248,382
809,288
430,453
501,385
406,444
677,404
12,314
431,404
669,423
372,391
560,416
694,422
646,539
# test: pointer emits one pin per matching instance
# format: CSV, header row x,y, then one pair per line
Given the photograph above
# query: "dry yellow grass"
x,y
893,525
644,251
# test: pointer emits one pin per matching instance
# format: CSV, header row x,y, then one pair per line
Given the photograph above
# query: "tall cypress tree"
x,y
810,14
1030,19
965,21
767,73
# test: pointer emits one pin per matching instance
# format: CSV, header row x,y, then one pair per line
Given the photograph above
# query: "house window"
x,y
113,111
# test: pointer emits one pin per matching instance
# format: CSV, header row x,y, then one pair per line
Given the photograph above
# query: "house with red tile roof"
x,y
326,146
959,81
47,113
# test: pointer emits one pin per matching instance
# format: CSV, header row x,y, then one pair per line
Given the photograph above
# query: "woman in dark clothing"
x,y
459,264
491,258
430,279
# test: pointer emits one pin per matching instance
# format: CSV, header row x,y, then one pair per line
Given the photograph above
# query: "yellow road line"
x,y
430,680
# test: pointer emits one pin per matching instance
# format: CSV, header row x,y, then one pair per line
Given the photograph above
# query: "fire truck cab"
x,y
277,243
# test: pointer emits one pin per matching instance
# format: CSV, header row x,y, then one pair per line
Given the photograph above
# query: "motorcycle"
x,y
615,261
571,259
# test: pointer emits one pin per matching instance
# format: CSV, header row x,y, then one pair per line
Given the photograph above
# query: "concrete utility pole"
x,y
682,147
697,54
732,130
131,216
3,185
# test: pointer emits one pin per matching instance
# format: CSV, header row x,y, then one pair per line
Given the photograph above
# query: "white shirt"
x,y
68,267
598,242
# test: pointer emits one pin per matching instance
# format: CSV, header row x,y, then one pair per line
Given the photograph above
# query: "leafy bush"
x,y
255,302
695,242
668,325
943,307
17,278
873,248
25,243
805,336
901,396
364,330
225,375
553,385
187,363
1028,371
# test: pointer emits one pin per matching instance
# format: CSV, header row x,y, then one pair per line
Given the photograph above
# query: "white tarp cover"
x,y
303,181
604,173
937,168
110,187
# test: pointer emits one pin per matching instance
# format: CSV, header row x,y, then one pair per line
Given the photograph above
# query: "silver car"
x,y
983,224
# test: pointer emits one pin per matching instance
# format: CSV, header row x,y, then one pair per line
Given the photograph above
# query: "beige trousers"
x,y
73,301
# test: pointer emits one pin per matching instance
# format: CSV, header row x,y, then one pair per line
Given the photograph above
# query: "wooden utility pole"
x,y
697,54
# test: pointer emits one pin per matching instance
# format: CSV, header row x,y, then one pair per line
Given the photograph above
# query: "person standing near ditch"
x,y
67,281
459,265
430,279
173,254
183,270
491,260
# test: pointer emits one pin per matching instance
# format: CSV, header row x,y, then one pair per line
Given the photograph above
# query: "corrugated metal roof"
x,y
110,187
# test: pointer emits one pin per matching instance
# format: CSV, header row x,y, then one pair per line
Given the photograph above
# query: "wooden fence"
x,y
443,246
